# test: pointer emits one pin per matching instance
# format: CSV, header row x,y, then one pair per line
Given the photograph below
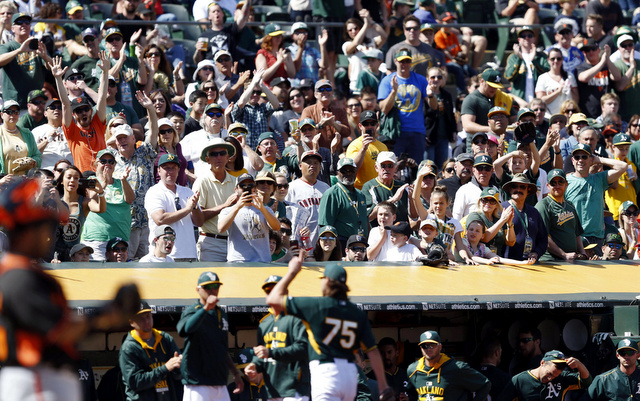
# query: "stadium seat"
x,y
100,11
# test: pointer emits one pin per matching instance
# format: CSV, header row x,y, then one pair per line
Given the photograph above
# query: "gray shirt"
x,y
248,236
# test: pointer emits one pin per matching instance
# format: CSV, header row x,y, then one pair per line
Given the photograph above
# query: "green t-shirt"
x,y
562,222
22,74
130,114
114,222
88,66
630,96
129,73
73,31
498,242
345,210
339,328
375,192
332,9
368,78
29,123
587,195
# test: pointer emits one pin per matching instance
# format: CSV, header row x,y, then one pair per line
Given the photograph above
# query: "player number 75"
x,y
346,328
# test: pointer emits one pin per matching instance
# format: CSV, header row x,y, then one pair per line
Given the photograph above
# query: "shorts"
x,y
333,381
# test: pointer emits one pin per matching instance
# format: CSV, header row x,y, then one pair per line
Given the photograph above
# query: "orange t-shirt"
x,y
447,41
86,143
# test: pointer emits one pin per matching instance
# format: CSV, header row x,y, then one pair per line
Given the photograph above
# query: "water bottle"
x,y
305,243
125,93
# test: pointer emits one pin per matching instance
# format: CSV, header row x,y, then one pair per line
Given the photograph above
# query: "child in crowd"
x,y
475,252
628,185
428,233
449,229
370,76
401,250
379,237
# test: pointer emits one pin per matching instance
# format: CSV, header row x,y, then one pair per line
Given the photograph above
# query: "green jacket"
x,y
34,153
516,72
143,371
525,387
205,357
615,385
287,368
448,380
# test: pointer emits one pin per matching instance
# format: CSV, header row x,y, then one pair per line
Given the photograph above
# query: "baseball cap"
x,y
346,161
10,103
144,307
386,157
555,357
166,121
311,153
525,111
124,129
328,229
115,241
336,272
280,80
430,336
72,7
578,117
34,94
613,237
373,53
243,358
626,205
217,143
556,117
402,2
589,44
266,135
79,102
273,29
368,115
112,31
321,83
108,23
490,192
237,127
401,227
162,230
556,172
306,83
307,121
623,39
492,77
525,28
622,139
168,158
497,110
17,16
265,175
447,16
464,157
429,222
299,25
520,178
272,279
244,177
482,159
479,135
357,239
566,24
89,32
627,343
106,151
52,101
581,147
78,247
144,9
220,53
426,27
403,54
610,130
208,278
201,65
213,106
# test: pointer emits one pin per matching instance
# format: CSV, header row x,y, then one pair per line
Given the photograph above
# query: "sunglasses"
x,y
449,170
627,45
580,157
325,89
264,182
428,346
490,201
555,58
285,231
213,153
210,286
358,249
566,32
257,93
114,38
613,245
214,114
569,111
484,168
119,249
81,110
525,340
104,162
526,36
38,102
247,187
177,203
354,105
22,22
295,96
12,112
480,141
236,134
631,214
74,78
210,88
411,28
634,125
282,186
369,124
153,54
519,186
223,59
59,170
168,238
88,39
405,61
307,128
166,131
387,166
556,183
328,238
436,77
207,68
540,110
626,352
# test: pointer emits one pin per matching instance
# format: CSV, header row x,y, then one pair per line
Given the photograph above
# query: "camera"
x,y
86,183
33,44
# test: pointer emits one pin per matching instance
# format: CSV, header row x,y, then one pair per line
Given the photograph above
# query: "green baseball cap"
x,y
273,30
307,121
208,278
403,54
328,229
490,192
626,205
482,159
106,151
266,135
524,111
627,343
168,158
497,110
336,272
271,280
72,7
430,336
582,147
493,78
346,161
556,172
621,139
613,237
555,357
213,106
17,16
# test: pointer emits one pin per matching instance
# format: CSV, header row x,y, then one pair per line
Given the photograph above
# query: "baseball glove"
x,y
436,256
525,132
387,395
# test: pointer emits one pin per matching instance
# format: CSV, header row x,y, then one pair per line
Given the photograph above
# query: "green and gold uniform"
x,y
562,222
143,371
336,328
251,392
287,368
206,334
375,192
448,380
344,210
616,385
525,387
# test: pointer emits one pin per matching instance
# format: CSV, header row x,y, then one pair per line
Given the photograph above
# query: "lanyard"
x,y
353,203
524,222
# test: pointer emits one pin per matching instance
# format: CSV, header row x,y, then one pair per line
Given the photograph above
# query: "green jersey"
x,y
287,368
22,74
336,328
448,380
144,374
562,222
117,108
206,334
29,123
526,387
616,385
375,192
345,210
630,95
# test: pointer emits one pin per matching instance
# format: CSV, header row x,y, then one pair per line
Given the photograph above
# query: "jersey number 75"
x,y
347,331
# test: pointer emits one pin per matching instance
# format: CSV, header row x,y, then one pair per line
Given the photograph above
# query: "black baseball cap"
x,y
401,227
357,239
368,115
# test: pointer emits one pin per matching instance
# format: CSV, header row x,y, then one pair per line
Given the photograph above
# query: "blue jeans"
x,y
411,143
628,4
438,152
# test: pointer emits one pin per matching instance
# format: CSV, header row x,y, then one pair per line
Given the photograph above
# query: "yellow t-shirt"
x,y
367,171
213,193
625,192
13,148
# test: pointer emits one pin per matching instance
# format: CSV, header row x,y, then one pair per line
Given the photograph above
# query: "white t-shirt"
x,y
192,146
406,253
308,197
159,197
374,237
151,258
248,236
547,85
201,8
57,149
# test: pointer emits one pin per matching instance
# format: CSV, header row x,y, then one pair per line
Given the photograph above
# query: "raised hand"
x,y
55,66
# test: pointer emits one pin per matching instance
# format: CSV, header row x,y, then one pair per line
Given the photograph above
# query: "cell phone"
x,y
294,242
369,131
86,183
33,44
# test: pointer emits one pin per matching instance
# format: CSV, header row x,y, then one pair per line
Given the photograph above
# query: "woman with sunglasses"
x,y
245,159
18,149
273,57
448,169
266,183
628,230
360,37
204,72
328,248
80,199
440,123
164,77
161,103
354,109
168,142
497,220
115,221
293,107
633,128
556,85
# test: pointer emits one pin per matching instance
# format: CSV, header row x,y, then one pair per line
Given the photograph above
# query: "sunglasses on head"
x,y
580,157
484,168
213,286
213,153
214,114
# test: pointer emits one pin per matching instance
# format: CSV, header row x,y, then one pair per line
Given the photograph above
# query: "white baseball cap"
x,y
299,25
386,157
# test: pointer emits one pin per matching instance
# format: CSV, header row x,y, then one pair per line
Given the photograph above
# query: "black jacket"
x,y
431,118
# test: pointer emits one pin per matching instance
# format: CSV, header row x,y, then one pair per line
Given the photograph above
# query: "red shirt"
x,y
86,143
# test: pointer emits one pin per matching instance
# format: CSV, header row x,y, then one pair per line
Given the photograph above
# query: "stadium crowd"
x,y
256,143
